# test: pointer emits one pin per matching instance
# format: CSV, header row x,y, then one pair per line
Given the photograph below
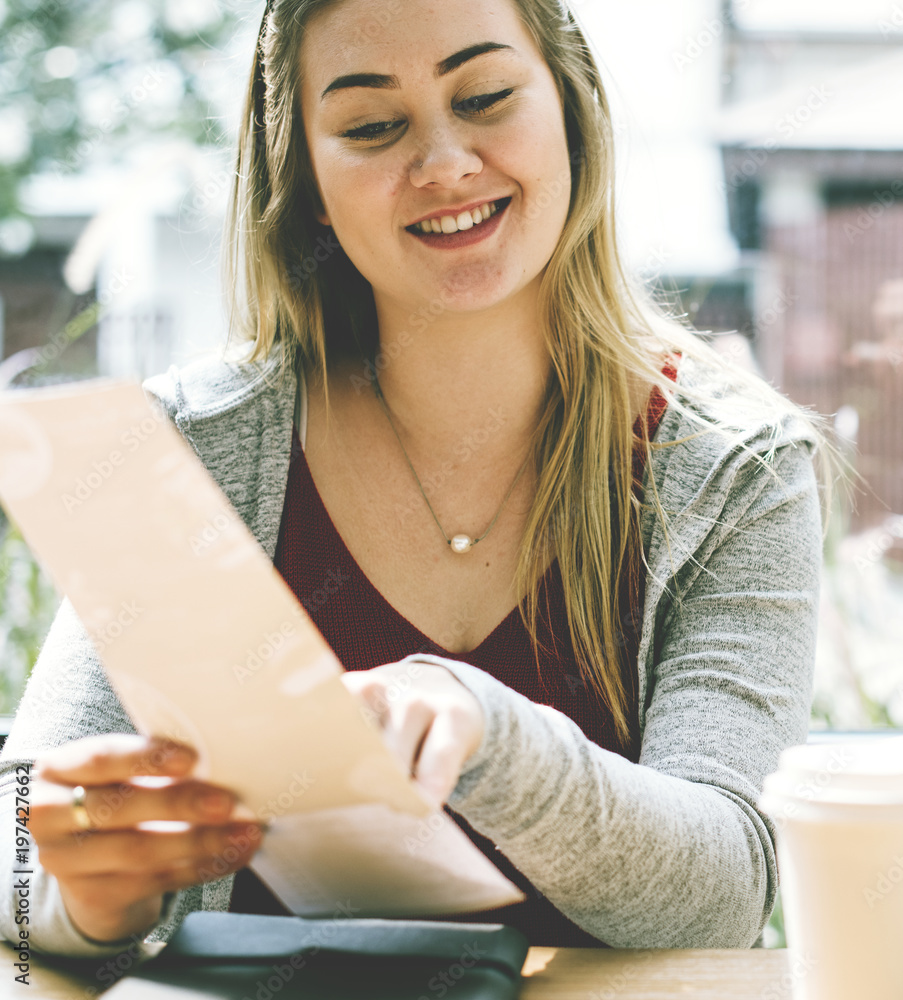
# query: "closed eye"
x,y
483,102
372,130
477,105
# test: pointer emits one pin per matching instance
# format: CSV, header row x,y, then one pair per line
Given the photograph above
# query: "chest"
x,y
394,524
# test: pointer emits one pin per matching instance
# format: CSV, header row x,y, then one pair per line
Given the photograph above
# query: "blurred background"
x,y
760,190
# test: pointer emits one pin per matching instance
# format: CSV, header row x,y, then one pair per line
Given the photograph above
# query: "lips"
x,y
448,225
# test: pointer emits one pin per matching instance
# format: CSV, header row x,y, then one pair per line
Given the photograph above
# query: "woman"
x,y
613,636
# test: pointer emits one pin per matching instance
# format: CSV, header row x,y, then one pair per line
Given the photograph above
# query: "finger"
x,y
119,852
369,692
96,890
125,805
111,757
442,755
405,729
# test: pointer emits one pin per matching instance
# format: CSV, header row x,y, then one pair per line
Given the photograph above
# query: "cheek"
x,y
356,192
536,152
548,195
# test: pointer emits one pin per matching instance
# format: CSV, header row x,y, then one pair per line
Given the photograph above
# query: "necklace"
x,y
459,542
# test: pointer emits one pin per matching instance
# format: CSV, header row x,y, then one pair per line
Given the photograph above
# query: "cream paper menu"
x,y
204,642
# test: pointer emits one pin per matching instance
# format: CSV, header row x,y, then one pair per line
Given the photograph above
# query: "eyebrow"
x,y
379,81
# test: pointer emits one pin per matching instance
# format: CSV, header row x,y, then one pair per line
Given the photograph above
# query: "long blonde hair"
x,y
603,330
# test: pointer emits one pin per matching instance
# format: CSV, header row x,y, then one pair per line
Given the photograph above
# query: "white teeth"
x,y
453,224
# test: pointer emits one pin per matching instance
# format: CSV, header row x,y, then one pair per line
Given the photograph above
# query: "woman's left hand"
x,y
429,719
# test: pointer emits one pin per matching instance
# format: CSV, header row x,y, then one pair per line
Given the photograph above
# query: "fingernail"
x,y
215,805
175,755
253,831
181,758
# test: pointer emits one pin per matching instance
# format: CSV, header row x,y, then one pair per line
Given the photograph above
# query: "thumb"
x,y
441,758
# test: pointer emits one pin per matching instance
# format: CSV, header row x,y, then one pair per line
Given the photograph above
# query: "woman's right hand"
x,y
113,876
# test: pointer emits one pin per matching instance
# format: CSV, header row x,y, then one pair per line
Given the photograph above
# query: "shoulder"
x,y
212,386
720,420
739,406
727,443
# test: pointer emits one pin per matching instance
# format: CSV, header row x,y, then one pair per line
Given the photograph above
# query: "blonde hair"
x,y
603,331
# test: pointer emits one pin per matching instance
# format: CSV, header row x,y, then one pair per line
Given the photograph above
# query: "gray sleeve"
x,y
671,852
67,697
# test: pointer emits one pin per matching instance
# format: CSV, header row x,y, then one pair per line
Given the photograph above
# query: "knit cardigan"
x,y
670,852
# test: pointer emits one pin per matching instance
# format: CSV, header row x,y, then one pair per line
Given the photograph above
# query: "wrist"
x,y
106,927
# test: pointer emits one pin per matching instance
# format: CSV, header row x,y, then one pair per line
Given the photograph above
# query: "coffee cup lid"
x,y
858,773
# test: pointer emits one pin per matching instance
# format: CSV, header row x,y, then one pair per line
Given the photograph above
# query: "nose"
x,y
444,156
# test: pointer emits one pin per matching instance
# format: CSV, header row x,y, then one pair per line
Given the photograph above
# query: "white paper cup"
x,y
838,810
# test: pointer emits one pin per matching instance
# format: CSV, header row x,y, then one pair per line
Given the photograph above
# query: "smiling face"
x,y
419,115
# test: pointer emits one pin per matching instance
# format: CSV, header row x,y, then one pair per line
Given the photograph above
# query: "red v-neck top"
x,y
365,631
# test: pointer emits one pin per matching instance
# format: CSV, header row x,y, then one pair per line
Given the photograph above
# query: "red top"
x,y
366,631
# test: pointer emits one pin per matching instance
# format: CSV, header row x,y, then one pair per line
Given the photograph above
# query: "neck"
x,y
454,377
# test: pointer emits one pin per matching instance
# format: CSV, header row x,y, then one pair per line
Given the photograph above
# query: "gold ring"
x,y
79,812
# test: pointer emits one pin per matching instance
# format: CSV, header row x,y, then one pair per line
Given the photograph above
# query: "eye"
x,y
372,130
482,102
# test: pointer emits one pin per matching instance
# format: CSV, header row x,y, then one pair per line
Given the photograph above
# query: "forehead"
x,y
390,36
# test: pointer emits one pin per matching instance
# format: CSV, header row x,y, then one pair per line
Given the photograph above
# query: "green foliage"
x,y
774,936
80,81
28,602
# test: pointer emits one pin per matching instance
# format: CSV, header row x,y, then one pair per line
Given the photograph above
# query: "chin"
x,y
475,288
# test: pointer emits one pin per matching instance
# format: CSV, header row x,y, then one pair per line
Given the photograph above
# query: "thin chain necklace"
x,y
460,542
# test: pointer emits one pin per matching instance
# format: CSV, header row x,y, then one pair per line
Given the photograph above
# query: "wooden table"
x,y
550,974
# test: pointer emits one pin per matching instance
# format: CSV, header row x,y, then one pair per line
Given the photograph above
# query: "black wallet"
x,y
251,957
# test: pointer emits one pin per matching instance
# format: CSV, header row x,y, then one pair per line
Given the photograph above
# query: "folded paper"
x,y
204,642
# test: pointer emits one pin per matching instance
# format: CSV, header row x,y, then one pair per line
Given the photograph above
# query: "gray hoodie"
x,y
672,852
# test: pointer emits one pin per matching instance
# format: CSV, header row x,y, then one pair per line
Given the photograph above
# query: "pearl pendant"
x,y
461,543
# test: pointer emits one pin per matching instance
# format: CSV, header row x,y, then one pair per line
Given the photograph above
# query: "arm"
x,y
673,851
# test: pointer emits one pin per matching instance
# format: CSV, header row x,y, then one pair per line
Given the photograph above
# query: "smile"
x,y
455,232
448,224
